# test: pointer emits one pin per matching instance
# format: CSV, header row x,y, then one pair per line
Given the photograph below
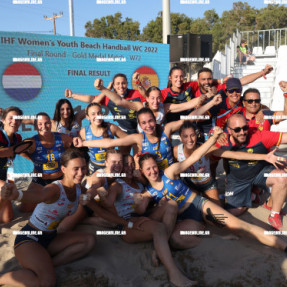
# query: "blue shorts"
x,y
32,235
194,211
238,192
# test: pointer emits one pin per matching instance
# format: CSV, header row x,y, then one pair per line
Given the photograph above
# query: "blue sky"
x,y
29,18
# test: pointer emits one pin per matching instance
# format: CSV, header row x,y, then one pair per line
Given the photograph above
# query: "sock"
x,y
274,212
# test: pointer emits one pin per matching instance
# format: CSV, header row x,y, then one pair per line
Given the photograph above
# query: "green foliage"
x,y
112,27
152,32
272,17
242,17
180,24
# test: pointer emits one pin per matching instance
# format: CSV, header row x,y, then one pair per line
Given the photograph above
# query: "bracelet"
x,y
19,196
221,81
285,94
130,225
264,75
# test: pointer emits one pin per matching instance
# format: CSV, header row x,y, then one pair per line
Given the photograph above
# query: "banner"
x,y
36,70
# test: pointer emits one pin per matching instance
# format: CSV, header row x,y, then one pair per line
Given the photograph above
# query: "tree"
x,y
241,17
272,17
152,32
112,27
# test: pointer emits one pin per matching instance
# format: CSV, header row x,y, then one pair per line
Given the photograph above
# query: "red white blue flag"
x,y
22,81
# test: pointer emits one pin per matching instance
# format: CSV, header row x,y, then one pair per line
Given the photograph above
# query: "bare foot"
x,y
154,259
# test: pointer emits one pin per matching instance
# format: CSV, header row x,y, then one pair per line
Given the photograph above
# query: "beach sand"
x,y
214,262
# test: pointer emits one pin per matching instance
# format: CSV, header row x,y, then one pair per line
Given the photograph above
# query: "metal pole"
x,y
269,44
165,20
71,12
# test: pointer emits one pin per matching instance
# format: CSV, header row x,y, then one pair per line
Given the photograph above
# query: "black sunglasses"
x,y
238,129
257,101
231,91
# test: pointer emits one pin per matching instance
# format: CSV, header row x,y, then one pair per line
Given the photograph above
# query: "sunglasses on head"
x,y
257,101
231,91
238,129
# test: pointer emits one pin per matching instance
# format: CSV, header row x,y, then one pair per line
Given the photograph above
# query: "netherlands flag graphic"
x,y
22,81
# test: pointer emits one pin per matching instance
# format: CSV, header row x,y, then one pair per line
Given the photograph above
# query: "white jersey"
x,y
202,166
47,217
74,132
159,117
125,202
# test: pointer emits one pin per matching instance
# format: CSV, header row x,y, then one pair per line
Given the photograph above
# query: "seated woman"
x,y
101,178
122,200
192,206
244,55
41,248
199,177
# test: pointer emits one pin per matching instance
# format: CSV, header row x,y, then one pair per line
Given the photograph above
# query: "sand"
x,y
214,262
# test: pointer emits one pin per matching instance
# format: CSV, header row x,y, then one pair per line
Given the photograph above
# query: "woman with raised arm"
x,y
191,206
153,101
122,199
98,129
125,117
153,139
101,178
198,176
38,247
45,153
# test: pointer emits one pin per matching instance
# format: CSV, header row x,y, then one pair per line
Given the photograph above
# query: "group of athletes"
x,y
89,175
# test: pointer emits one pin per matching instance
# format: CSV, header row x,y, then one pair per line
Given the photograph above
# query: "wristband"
x,y
221,81
130,224
19,196
285,94
264,75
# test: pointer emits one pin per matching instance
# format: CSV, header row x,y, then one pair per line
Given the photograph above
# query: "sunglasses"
x,y
231,91
238,129
257,101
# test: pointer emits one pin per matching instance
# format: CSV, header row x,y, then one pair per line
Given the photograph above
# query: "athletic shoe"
x,y
270,208
275,221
